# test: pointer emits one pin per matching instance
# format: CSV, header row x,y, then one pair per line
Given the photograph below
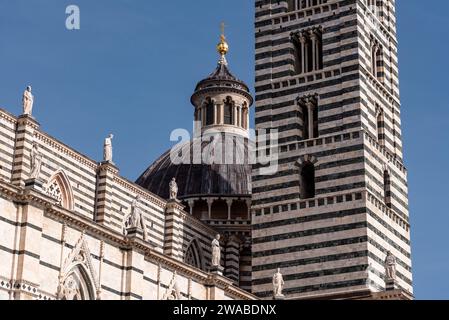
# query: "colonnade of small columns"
x,y
304,4
309,50
239,114
196,204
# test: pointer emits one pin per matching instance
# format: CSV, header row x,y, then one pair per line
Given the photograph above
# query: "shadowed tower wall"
x,y
327,80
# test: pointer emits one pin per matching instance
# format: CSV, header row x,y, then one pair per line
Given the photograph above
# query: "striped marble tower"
x,y
327,81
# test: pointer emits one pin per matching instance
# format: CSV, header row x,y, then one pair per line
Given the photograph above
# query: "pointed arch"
x,y
58,187
78,280
194,255
77,285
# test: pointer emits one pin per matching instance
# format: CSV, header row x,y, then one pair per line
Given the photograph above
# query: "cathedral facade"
x,y
203,222
73,229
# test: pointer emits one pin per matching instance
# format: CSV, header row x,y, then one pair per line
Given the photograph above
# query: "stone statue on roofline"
x,y
27,101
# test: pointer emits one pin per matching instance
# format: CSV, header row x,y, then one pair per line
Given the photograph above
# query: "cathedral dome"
x,y
216,164
213,175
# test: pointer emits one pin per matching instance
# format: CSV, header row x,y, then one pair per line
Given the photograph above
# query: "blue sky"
x,y
133,65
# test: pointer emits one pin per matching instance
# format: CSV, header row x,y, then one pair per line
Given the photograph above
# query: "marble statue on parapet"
x,y
36,161
135,217
173,189
390,266
27,101
216,251
278,284
107,152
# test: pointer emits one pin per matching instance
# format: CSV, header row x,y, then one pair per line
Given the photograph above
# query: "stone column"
x,y
241,117
313,38
215,113
229,203
221,114
310,107
248,204
235,115
302,40
26,126
191,205
203,118
106,173
210,202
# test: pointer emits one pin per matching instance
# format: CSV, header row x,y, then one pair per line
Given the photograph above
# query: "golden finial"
x,y
223,46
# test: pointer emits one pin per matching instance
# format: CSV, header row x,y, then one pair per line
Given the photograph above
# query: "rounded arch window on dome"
x,y
209,105
228,113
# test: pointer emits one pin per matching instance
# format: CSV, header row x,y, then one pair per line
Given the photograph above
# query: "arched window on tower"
x,y
308,47
210,112
387,189
307,181
309,116
377,63
228,114
380,124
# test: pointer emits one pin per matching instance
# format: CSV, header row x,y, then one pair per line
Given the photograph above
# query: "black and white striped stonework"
x,y
358,211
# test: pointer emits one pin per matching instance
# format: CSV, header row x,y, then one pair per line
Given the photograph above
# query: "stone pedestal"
x,y
26,127
280,297
218,270
390,285
106,172
35,184
134,233
174,229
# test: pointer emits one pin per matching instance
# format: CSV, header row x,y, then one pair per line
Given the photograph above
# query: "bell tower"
x,y
327,81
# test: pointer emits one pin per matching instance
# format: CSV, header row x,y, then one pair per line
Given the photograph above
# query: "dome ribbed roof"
x,y
221,73
205,179
223,80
